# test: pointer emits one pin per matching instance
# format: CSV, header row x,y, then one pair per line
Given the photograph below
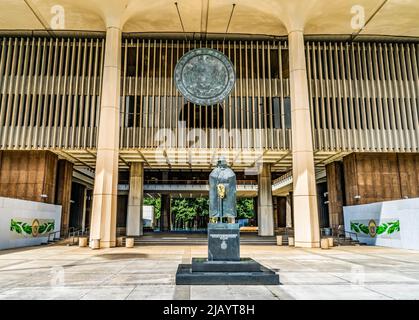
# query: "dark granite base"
x,y
185,276
223,242
244,265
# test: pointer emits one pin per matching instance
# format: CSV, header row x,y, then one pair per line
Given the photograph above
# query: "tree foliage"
x,y
156,203
187,209
195,211
245,208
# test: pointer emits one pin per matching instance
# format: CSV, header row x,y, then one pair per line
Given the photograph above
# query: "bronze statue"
x,y
222,193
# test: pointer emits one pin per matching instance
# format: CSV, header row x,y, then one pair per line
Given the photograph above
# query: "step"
x,y
196,241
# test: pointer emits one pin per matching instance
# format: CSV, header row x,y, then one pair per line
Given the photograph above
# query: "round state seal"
x,y
204,76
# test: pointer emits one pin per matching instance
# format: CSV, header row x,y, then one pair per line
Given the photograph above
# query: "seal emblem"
x,y
372,227
204,76
35,228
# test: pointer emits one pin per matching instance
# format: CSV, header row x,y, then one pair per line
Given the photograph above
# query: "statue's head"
x,y
222,162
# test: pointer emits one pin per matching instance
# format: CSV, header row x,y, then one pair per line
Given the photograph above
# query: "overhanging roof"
x,y
269,17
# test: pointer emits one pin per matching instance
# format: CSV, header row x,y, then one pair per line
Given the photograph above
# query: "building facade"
x,y
322,115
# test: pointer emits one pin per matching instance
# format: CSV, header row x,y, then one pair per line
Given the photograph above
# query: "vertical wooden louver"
x,y
50,92
364,96
153,111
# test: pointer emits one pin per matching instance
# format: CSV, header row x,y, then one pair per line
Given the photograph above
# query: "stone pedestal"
x,y
290,241
243,265
223,242
82,242
119,241
324,243
224,265
129,242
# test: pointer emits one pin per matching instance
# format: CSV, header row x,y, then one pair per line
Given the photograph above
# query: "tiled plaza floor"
x,y
148,272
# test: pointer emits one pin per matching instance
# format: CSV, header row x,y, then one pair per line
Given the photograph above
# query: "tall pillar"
x,y
276,211
103,224
63,194
282,218
334,176
306,219
255,209
135,200
84,210
265,208
165,213
288,212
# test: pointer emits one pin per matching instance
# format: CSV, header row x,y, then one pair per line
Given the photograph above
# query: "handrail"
x,y
52,233
195,181
78,233
344,233
282,178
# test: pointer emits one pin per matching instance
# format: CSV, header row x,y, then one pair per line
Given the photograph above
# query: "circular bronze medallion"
x,y
35,228
372,227
204,76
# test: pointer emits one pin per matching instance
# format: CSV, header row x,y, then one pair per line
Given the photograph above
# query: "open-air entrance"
x,y
175,206
185,214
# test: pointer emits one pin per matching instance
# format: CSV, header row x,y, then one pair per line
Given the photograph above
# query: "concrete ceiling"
x,y
269,17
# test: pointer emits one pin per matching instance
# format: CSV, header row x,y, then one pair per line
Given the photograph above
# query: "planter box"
x,y
324,243
82,242
291,241
129,243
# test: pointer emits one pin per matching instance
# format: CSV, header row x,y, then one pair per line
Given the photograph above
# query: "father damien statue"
x,y
222,193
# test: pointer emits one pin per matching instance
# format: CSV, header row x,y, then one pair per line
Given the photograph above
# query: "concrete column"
x,y
255,209
306,219
288,212
63,195
165,213
265,208
282,222
335,190
276,210
103,224
84,208
135,200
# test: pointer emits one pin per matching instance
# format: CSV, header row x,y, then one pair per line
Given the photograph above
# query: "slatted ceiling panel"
x,y
165,109
50,92
364,96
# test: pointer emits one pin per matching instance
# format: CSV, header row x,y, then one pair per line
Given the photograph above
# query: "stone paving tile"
x,y
376,277
148,272
309,278
279,292
397,292
140,279
44,293
152,292
59,278
109,293
412,275
235,292
332,292
96,267
10,262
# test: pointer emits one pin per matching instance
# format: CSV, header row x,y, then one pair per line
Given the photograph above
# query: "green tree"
x,y
184,210
245,208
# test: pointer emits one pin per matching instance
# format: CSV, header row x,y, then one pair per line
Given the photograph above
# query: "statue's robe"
x,y
225,207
